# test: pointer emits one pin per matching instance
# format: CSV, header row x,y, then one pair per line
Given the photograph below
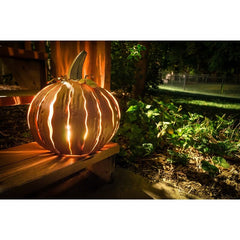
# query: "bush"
x,y
155,126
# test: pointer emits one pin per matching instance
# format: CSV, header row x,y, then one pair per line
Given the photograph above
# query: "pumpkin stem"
x,y
75,71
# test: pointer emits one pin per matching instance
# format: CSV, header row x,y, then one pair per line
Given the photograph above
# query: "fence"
x,y
203,83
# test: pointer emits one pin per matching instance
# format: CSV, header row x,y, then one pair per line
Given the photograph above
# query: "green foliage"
x,y
205,135
135,52
220,161
124,56
139,130
211,169
153,126
177,158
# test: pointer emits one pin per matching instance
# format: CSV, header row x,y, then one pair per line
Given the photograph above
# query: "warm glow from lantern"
x,y
109,104
50,116
118,109
71,105
101,67
71,91
119,114
100,121
69,137
86,118
30,108
65,52
38,109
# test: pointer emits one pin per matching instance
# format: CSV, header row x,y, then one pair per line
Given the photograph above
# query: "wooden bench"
x,y
29,168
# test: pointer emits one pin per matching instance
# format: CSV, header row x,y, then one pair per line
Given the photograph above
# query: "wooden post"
x,y
108,65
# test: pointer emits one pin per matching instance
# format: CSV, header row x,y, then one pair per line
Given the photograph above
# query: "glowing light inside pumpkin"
x,y
37,114
30,108
118,109
109,104
100,122
119,114
50,116
68,127
86,118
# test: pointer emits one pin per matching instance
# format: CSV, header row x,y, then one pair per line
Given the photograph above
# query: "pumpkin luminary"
x,y
73,116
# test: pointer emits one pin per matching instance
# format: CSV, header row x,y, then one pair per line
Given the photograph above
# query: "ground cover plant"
x,y
158,133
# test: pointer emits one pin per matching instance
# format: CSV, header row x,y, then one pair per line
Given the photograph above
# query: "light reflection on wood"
x,y
29,167
15,100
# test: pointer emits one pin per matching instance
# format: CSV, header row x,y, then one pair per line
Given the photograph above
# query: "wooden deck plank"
x,y
36,167
15,100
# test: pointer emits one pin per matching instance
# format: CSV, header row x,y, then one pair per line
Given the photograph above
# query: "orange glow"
x,y
118,109
9,101
100,64
109,104
68,127
95,62
119,113
37,114
17,100
86,118
100,121
30,108
50,116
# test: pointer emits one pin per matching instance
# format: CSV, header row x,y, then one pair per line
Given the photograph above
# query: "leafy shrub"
x,y
155,126
124,56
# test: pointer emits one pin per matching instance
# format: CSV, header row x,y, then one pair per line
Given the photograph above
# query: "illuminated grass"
x,y
235,106
206,89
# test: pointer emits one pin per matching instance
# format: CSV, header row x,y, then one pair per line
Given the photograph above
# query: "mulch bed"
x,y
191,178
13,126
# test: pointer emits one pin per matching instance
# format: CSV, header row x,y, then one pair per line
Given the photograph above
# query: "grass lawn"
x,y
205,104
229,90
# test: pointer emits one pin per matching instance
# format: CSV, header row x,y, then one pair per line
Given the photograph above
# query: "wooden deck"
x,y
30,168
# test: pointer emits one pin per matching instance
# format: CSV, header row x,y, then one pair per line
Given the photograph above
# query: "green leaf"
x,y
91,83
148,147
151,113
221,161
132,108
211,169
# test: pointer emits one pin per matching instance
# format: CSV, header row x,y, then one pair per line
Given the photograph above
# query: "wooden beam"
x,y
21,53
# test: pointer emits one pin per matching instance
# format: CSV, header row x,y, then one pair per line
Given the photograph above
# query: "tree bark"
x,y
141,72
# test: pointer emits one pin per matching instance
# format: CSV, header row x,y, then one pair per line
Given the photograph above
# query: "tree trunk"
x,y
141,72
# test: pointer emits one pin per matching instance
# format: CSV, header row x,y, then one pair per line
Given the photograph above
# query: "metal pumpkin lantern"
x,y
73,116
